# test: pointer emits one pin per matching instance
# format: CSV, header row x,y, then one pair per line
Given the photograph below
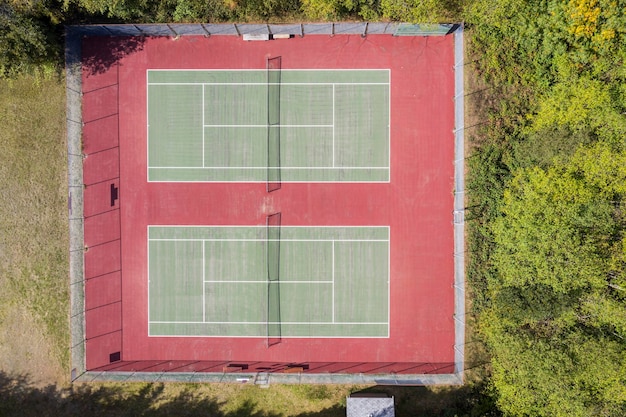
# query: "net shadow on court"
x,y
273,123
273,279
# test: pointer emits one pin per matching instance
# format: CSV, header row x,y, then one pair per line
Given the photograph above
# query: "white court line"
x,y
389,285
203,284
262,240
333,125
148,271
203,126
220,226
389,127
325,84
265,282
147,133
222,336
271,322
333,281
265,181
264,126
263,70
265,167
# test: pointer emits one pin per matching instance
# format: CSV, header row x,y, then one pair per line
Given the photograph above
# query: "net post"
x,y
207,34
107,29
176,35
139,30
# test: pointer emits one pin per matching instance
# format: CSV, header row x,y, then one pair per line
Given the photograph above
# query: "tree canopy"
x,y
557,309
24,40
548,237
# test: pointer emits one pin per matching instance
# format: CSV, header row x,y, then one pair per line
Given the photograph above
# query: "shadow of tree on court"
x,y
20,398
101,53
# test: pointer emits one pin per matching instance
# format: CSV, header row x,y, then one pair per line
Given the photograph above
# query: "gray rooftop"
x,y
370,407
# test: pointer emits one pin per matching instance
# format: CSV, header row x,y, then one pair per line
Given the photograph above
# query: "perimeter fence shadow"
x,y
21,398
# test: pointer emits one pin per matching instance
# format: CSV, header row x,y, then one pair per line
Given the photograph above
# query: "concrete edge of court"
x,y
74,122
274,378
459,204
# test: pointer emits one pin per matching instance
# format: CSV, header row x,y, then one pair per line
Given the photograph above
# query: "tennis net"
x,y
273,278
273,123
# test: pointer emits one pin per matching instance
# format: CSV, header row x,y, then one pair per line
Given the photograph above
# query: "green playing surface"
x,y
213,125
213,281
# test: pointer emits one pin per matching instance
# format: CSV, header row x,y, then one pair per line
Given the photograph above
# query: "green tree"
x,y
420,11
574,375
340,9
201,11
24,41
557,299
583,104
188,10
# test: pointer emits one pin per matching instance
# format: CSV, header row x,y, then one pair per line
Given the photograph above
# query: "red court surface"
x,y
417,205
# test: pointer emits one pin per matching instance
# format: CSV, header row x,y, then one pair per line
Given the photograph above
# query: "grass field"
x,y
34,334
33,226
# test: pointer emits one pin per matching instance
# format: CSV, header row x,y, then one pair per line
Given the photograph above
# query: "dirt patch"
x,y
24,349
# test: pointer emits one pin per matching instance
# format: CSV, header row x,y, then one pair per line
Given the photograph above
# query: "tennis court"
x,y
255,125
232,210
268,281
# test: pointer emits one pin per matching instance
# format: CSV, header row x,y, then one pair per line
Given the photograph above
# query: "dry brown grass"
x,y
33,223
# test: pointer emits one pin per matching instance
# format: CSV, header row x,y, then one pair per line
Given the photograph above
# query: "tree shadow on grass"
x,y
20,398
470,400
